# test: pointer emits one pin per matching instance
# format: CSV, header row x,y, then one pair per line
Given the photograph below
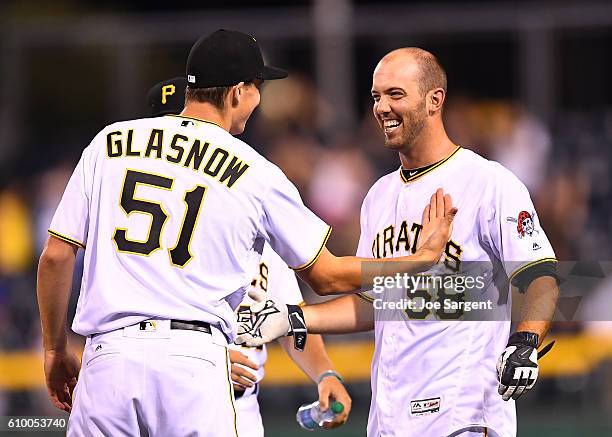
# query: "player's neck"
x,y
431,146
208,112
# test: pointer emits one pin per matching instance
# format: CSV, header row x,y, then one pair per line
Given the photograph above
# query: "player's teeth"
x,y
391,124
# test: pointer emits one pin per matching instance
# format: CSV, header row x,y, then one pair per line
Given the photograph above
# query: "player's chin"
x,y
394,142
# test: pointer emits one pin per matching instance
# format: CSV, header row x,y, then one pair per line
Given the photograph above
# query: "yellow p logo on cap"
x,y
167,90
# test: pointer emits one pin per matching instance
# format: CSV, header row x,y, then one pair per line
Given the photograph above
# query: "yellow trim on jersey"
x,y
193,118
419,175
314,259
532,263
365,297
231,390
66,239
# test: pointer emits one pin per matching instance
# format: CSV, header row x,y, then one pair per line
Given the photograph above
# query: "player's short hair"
x,y
432,73
215,96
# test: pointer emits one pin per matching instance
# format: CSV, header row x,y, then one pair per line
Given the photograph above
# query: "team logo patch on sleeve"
x,y
422,407
525,225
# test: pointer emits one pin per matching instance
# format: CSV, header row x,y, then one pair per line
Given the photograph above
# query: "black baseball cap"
x,y
225,58
167,97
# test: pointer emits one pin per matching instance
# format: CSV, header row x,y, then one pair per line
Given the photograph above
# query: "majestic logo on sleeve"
x,y
525,226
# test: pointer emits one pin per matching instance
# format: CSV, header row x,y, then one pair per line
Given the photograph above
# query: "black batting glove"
x,y
517,367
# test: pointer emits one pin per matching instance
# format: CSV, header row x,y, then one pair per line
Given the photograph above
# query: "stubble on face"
x,y
413,122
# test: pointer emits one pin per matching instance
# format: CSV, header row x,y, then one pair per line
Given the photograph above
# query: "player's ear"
x,y
236,94
434,100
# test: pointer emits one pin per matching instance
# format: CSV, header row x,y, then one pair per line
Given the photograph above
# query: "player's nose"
x,y
382,106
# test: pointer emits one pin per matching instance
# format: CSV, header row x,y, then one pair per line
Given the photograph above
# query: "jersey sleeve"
x,y
294,232
71,219
283,286
518,237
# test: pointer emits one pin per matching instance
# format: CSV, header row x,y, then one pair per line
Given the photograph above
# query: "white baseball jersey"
x,y
433,377
170,209
278,281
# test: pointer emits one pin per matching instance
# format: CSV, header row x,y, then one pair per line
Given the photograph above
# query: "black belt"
x,y
193,325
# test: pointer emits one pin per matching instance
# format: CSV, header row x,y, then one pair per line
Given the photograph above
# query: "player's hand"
x,y
241,377
517,367
437,222
262,322
61,373
331,389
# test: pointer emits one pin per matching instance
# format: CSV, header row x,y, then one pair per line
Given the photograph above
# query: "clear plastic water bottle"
x,y
310,416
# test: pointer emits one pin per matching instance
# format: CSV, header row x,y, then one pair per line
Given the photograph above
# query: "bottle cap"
x,y
337,407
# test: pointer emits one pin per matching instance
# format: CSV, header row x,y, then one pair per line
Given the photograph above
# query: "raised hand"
x,y
437,223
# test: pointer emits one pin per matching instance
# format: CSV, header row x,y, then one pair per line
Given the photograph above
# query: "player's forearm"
x,y
332,275
339,316
53,291
539,306
313,360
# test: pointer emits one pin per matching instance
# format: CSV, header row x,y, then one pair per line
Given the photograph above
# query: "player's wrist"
x,y
424,258
297,326
524,338
328,374
58,346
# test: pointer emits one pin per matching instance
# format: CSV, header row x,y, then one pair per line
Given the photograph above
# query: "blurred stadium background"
x,y
529,86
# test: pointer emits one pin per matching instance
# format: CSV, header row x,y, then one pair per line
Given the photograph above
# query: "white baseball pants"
x,y
156,382
248,416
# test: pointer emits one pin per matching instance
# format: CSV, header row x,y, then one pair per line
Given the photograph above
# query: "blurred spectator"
x,y
15,233
469,123
296,156
338,184
563,207
49,189
521,143
460,120
17,301
289,106
503,132
596,309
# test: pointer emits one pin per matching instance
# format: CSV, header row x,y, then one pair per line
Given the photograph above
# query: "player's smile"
x,y
390,126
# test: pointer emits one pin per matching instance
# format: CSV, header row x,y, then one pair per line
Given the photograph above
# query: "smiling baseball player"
x,y
169,211
435,372
278,281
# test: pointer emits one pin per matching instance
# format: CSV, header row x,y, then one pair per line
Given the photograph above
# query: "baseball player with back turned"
x,y
172,213
278,281
432,375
